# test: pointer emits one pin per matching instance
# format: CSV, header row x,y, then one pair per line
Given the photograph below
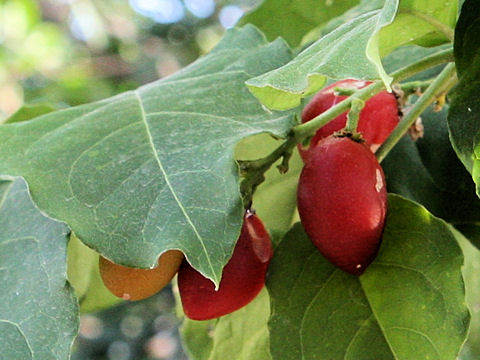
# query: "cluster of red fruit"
x,y
342,201
242,279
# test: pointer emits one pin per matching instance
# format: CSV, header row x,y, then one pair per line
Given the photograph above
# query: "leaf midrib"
x,y
169,185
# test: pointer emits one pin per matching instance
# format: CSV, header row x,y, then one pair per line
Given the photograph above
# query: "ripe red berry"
x,y
342,201
377,119
243,276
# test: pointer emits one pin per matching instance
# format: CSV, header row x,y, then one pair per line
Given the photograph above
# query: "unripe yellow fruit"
x,y
137,284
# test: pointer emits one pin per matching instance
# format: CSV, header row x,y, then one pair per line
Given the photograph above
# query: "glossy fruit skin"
x,y
242,279
377,119
137,284
342,202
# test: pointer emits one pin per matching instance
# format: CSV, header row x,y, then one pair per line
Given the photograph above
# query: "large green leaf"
x,y
301,16
152,170
38,310
409,304
463,118
349,51
364,6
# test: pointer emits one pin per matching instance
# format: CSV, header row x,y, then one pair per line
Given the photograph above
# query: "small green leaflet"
x,y
409,304
463,118
350,51
153,169
38,310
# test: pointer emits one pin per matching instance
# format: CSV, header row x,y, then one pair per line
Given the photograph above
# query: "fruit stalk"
x,y
301,132
253,170
444,82
353,115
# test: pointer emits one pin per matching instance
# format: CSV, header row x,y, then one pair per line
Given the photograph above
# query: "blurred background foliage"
x,y
60,53
70,52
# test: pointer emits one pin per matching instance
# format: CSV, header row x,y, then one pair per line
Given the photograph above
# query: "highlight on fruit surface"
x,y
242,279
137,284
377,119
342,202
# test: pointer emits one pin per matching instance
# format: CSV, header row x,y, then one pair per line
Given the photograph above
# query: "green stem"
x,y
353,115
253,170
444,81
309,128
339,91
414,86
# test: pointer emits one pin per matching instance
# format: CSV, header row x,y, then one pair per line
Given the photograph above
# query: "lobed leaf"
x,y
153,169
350,51
409,304
38,309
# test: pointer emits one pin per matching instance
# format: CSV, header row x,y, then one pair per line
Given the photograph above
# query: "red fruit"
x,y
342,201
243,276
377,119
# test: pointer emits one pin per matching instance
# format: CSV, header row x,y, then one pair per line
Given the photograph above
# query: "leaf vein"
x,y
167,181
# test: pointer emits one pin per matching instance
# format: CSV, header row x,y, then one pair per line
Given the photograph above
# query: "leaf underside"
x,y
152,170
38,310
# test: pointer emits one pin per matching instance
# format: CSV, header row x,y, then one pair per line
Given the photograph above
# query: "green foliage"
x,y
429,23
85,164
429,172
243,333
83,273
284,87
463,116
409,304
159,168
38,311
276,198
471,274
28,112
302,16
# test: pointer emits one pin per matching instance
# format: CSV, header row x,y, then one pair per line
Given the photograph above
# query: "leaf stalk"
x,y
253,170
